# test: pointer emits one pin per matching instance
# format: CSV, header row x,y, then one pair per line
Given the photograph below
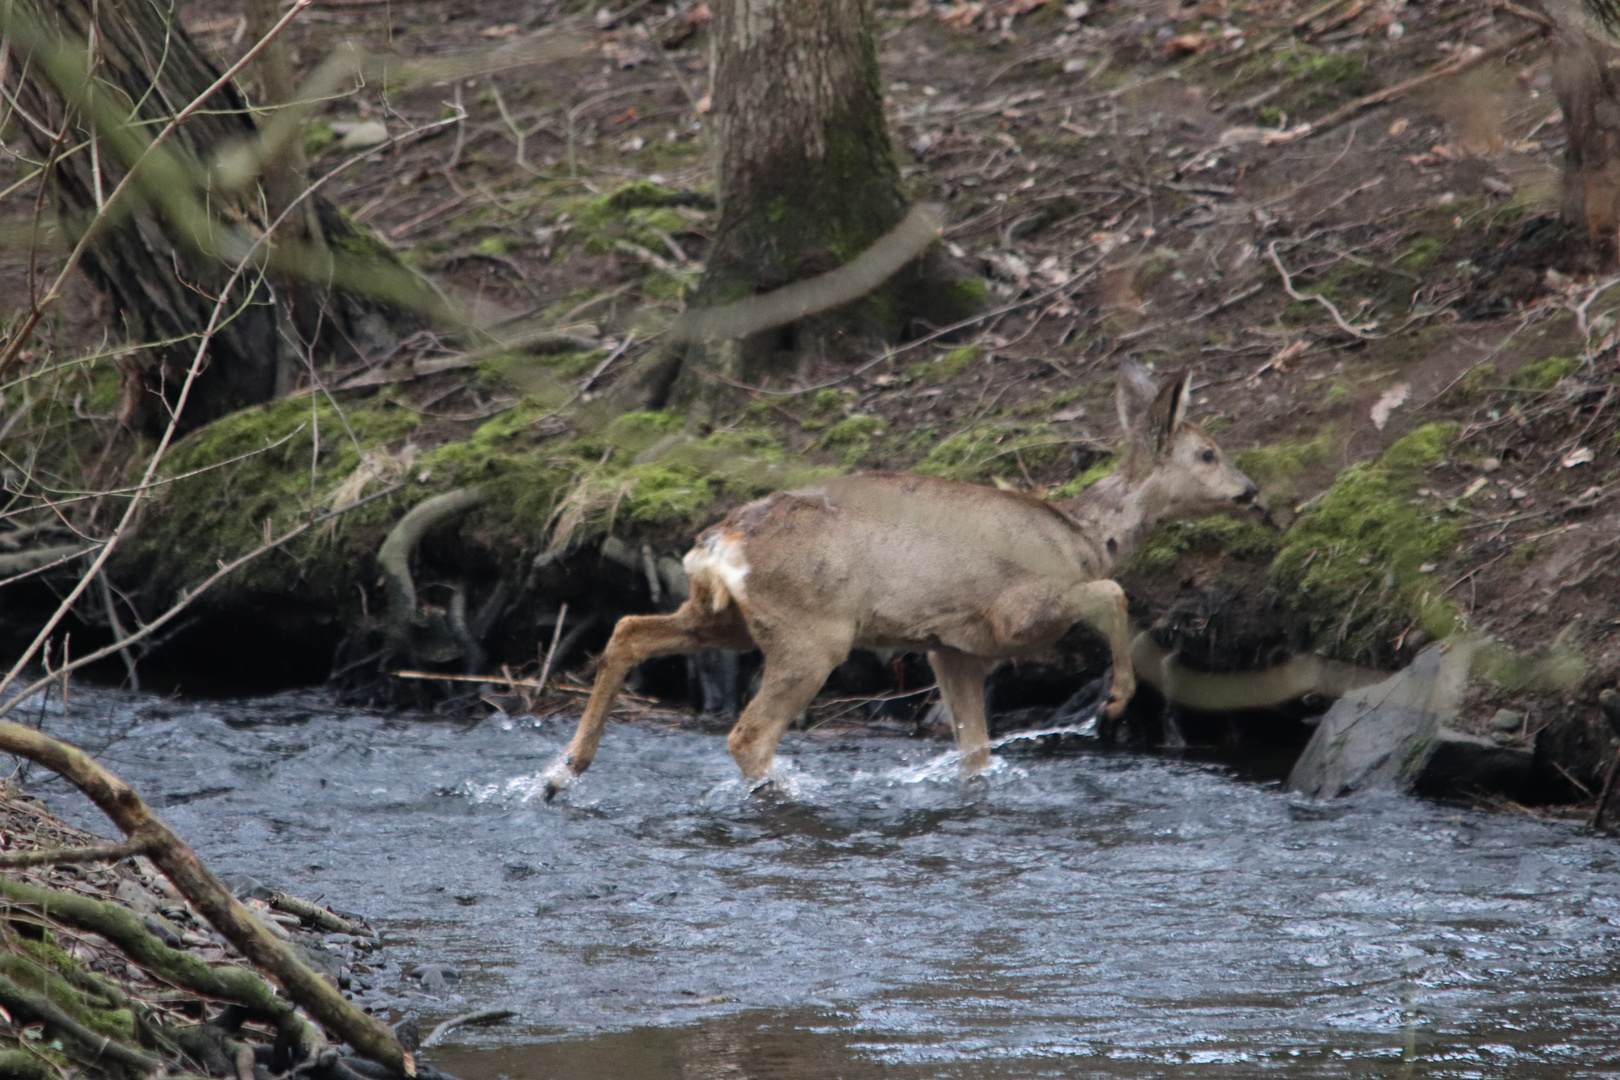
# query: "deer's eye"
x,y
1208,455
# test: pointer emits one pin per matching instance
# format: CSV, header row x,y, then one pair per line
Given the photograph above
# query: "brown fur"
x,y
970,575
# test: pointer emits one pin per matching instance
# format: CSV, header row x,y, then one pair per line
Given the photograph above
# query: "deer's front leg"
x,y
961,684
1101,606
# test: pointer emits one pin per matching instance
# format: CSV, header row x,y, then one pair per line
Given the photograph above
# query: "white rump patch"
x,y
719,559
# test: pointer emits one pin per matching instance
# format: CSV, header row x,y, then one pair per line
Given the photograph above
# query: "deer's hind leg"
x,y
961,685
795,668
641,637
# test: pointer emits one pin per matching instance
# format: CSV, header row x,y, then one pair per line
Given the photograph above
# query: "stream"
x,y
1088,914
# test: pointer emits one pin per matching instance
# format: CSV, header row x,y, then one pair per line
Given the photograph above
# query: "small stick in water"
x,y
551,653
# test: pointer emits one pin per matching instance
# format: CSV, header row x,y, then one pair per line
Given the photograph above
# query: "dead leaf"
x,y
1392,399
1579,456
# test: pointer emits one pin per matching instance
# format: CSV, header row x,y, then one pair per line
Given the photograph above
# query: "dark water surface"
x,y
1084,915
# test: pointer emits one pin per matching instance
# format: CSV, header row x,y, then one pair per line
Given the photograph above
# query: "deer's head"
x,y
1175,466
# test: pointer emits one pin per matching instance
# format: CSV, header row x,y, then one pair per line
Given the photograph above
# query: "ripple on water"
x,y
1078,914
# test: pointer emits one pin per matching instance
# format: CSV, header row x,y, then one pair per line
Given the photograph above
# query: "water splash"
x,y
786,780
1087,729
948,767
518,789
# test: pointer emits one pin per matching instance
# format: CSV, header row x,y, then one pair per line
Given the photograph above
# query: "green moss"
x,y
317,137
1421,254
1543,374
1240,538
852,437
993,449
42,968
495,245
1102,468
224,509
1049,404
1276,468
945,367
969,293
1353,563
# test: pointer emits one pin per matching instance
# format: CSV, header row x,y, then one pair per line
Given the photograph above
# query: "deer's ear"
x,y
1133,397
1168,410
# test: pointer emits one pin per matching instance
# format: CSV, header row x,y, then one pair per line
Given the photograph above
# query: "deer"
x,y
902,562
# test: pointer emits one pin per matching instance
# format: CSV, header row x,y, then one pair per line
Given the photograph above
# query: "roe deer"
x,y
971,575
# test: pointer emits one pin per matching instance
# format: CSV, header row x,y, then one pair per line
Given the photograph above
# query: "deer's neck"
x,y
1116,514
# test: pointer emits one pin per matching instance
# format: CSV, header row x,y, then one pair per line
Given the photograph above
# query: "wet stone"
x,y
1506,720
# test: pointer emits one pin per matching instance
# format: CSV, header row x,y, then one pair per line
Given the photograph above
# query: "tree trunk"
x,y
807,178
163,290
1588,90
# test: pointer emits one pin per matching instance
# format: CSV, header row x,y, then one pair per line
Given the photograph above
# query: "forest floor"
x,y
1385,323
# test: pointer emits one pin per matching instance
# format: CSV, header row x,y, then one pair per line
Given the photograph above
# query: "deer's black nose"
x,y
1247,495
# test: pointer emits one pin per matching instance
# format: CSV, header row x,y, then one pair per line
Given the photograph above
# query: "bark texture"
x,y
158,281
806,174
161,288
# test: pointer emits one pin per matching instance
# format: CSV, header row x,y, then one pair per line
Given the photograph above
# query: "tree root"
x,y
403,621
209,897
94,1046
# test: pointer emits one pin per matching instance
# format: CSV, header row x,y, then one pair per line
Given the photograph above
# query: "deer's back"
x,y
897,554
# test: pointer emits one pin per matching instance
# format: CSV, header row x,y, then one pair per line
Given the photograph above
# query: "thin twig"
x,y
551,653
1288,285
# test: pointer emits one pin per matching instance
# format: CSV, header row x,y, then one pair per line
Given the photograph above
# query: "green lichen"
x,y
1355,565
1239,538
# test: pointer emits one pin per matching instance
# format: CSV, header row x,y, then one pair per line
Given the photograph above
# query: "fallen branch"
x,y
12,860
1288,285
313,914
208,896
482,1016
26,1003
394,557
123,928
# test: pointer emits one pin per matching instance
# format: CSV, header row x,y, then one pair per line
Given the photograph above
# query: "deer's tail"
x,y
717,569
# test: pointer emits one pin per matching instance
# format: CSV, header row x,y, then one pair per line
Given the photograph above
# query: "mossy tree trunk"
x,y
807,178
1587,84
159,286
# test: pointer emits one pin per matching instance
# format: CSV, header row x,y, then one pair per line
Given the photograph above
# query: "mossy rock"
x,y
1357,564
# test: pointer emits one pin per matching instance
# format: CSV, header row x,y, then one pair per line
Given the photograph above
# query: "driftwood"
x,y
208,896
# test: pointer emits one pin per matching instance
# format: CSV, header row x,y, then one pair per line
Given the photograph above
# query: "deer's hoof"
x,y
1116,705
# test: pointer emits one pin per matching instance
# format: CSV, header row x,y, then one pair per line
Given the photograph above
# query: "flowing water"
x,y
1089,914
